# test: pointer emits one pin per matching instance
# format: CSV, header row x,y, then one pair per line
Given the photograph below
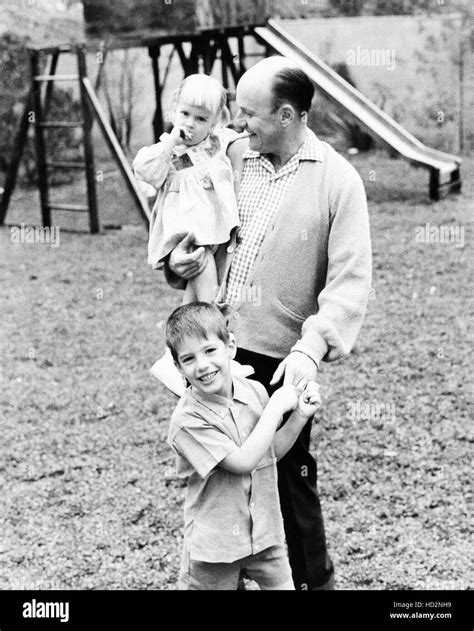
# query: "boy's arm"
x,y
308,403
286,436
245,458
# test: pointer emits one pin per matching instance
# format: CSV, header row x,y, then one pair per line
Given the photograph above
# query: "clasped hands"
x,y
304,399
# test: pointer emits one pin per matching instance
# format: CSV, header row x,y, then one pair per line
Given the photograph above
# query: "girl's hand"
x,y
179,134
309,401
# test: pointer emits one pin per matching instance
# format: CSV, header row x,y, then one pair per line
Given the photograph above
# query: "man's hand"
x,y
186,260
309,400
297,369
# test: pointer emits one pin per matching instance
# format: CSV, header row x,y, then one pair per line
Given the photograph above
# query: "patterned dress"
x,y
195,193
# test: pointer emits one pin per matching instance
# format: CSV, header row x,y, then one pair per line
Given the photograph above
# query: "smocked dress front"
x,y
195,193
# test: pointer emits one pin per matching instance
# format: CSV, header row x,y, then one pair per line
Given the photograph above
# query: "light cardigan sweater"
x,y
314,266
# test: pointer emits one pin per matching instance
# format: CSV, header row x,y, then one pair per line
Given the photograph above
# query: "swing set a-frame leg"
x,y
18,148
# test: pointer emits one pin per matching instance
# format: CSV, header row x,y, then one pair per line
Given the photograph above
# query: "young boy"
x,y
225,432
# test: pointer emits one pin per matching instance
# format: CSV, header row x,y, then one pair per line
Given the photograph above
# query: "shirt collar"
x,y
311,149
219,404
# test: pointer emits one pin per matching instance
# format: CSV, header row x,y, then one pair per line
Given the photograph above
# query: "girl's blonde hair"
x,y
201,90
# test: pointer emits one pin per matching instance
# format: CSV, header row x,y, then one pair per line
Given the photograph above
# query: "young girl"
x,y
194,180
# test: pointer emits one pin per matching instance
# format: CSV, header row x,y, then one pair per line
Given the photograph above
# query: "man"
x,y
297,275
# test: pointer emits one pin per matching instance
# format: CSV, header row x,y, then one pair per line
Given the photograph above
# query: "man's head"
x,y
273,97
202,347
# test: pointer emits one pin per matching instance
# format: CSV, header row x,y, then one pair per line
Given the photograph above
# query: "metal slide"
x,y
444,168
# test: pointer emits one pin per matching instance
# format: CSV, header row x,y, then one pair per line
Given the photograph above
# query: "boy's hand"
x,y
285,398
309,401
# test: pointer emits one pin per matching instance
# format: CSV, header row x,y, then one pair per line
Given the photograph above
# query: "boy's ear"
x,y
232,346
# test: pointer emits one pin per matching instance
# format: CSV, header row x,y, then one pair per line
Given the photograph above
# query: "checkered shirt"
x,y
260,195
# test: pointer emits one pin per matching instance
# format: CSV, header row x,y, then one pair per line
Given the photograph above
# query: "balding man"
x,y
297,274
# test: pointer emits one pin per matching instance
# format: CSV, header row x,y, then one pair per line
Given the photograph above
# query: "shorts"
x,y
269,568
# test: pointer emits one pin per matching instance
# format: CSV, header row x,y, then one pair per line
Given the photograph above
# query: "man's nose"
x,y
239,121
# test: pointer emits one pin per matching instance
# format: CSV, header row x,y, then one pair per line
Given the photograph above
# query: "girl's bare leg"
x,y
203,287
189,295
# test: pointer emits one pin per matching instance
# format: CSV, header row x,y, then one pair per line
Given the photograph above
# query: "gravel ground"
x,y
90,500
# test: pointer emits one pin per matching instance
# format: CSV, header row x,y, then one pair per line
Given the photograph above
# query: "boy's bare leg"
x,y
204,286
286,586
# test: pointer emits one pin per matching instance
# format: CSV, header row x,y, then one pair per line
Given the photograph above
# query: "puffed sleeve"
x,y
153,164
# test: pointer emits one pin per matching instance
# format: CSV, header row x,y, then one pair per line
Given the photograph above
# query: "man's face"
x,y
254,100
206,364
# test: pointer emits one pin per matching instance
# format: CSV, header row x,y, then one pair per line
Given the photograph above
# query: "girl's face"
x,y
197,121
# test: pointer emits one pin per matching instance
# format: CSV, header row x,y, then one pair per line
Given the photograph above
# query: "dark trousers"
x,y
297,485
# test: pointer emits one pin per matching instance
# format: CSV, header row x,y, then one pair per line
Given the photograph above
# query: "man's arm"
x,y
332,331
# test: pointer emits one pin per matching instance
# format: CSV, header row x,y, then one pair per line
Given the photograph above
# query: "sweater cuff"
x,y
316,348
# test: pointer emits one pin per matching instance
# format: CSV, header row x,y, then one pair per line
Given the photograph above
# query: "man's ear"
x,y
232,346
286,114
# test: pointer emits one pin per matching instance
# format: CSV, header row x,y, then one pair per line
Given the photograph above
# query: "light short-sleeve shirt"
x,y
227,516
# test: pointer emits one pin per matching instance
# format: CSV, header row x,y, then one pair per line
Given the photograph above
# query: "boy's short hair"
x,y
195,319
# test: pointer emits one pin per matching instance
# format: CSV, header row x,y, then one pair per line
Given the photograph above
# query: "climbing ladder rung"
x,y
60,124
57,77
73,207
66,165
39,101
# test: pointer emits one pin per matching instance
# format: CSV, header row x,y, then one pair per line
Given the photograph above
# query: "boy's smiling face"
x,y
206,364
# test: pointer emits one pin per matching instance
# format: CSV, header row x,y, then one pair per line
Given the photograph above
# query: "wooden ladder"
x,y
92,110
40,108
